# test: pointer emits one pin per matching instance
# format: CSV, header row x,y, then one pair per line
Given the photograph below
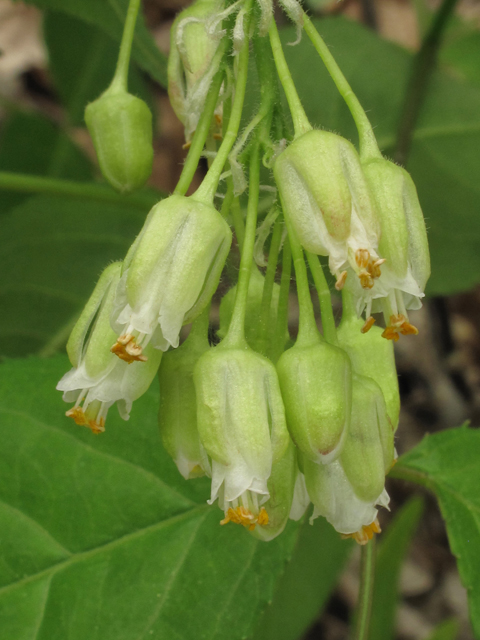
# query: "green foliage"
x,y
444,161
447,630
109,16
391,554
304,588
53,251
462,56
447,463
102,538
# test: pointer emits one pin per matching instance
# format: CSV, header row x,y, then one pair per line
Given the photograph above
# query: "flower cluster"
x,y
277,423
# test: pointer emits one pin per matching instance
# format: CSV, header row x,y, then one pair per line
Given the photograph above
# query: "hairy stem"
x,y
422,68
324,298
268,284
281,327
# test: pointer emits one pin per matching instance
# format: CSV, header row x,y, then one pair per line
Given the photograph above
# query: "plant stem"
x,y
206,191
307,327
281,326
84,190
120,79
299,117
368,144
268,284
203,128
423,66
238,222
324,298
236,331
367,577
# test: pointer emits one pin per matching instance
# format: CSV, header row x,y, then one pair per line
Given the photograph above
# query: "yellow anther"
x,y
366,280
187,145
77,414
365,534
243,516
128,350
340,283
218,119
399,325
370,321
96,427
362,258
217,136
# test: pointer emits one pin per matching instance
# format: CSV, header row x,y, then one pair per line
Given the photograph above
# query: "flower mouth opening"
x,y
368,268
92,415
248,514
129,347
365,534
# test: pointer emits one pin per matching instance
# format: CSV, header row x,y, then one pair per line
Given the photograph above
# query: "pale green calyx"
x,y
169,275
371,356
325,196
403,246
316,387
241,422
98,378
121,128
192,64
177,415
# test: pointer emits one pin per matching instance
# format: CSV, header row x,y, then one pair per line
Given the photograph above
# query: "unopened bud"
x,y
121,128
316,388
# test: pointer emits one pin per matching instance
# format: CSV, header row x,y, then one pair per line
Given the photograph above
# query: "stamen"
x,y
243,516
366,280
340,283
362,258
399,325
365,534
127,349
370,321
97,426
217,136
78,415
187,145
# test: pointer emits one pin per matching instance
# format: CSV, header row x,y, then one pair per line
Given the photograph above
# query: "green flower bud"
x,y
121,128
253,328
241,422
403,246
169,274
316,388
177,415
191,66
374,357
99,379
326,198
368,452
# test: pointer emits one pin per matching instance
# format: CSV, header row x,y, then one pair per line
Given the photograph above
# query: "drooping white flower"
x,y
169,275
98,379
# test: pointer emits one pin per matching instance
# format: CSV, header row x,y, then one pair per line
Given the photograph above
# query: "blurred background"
x,y
52,249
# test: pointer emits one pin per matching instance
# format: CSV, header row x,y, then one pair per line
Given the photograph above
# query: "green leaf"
x,y
391,554
82,62
447,630
304,588
109,16
53,250
444,161
102,538
448,464
29,143
463,54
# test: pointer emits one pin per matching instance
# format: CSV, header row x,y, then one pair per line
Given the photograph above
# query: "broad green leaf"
x,y
303,590
463,55
444,161
391,554
53,250
103,539
447,630
29,143
448,464
109,16
82,62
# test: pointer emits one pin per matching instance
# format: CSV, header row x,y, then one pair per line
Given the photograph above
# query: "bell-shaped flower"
x,y
169,275
370,355
177,416
241,422
99,379
192,63
348,490
326,198
315,378
403,246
